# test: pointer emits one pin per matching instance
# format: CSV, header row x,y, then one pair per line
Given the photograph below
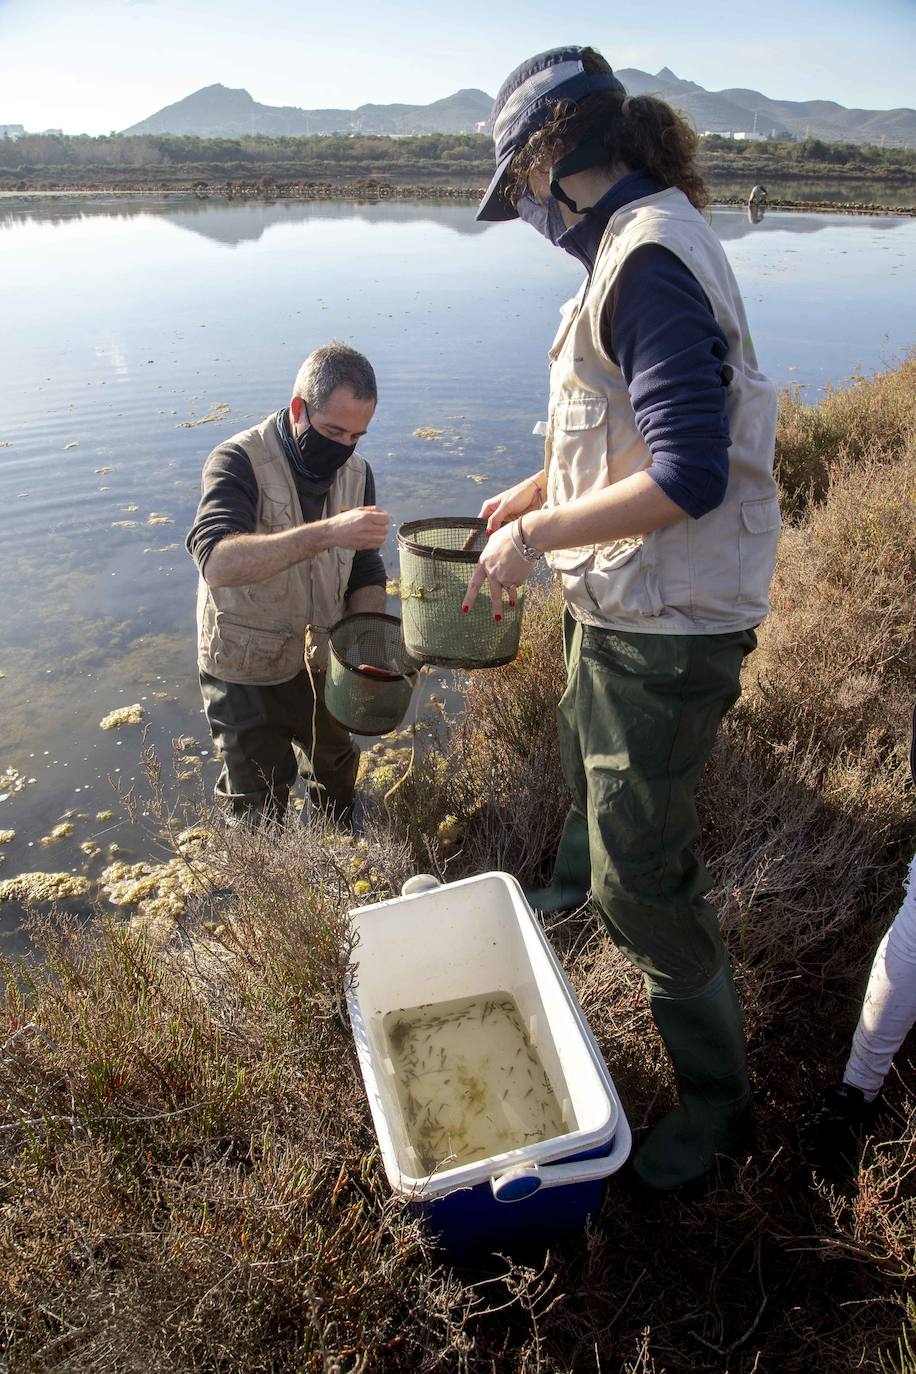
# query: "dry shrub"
x,y
873,417
190,1180
837,655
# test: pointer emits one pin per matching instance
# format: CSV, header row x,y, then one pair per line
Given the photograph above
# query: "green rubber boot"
x,y
571,880
705,1037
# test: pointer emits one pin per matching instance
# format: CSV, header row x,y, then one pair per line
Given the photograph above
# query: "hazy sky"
x,y
102,65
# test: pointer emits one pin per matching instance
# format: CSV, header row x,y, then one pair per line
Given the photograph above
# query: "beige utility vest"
x,y
699,576
257,633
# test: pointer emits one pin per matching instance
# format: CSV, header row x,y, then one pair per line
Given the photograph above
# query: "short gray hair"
x,y
333,365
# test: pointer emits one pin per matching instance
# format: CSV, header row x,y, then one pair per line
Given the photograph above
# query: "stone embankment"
x,y
383,190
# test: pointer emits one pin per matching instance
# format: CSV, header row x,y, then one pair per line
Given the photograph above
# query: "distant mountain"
x,y
222,112
737,110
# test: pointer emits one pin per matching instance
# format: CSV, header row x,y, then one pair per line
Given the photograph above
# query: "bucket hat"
x,y
525,101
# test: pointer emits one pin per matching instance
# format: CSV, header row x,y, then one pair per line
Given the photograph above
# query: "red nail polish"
x,y
465,609
497,617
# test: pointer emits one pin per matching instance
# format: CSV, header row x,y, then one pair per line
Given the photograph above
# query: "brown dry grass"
x,y
872,417
187,1173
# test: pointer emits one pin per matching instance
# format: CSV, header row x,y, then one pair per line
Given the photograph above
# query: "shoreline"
x,y
369,191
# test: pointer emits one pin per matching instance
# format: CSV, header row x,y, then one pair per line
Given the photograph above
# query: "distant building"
x,y
12,131
750,136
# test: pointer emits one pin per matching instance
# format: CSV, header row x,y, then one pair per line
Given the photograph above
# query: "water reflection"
x,y
229,222
232,223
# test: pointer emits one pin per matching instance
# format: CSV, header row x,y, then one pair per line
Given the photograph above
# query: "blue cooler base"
x,y
470,1221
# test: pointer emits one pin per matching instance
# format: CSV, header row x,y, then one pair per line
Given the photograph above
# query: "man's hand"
x,y
365,527
240,559
509,505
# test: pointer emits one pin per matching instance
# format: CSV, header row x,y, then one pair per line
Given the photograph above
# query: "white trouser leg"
x,y
889,1008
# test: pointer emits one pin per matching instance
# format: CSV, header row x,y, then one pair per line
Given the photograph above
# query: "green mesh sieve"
x,y
437,560
370,677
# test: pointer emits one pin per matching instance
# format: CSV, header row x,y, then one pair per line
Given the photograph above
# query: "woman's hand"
x,y
525,496
504,568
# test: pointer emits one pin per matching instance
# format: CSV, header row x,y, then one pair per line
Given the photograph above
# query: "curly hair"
x,y
638,131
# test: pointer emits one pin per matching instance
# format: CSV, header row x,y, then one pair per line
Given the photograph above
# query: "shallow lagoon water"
x,y
127,324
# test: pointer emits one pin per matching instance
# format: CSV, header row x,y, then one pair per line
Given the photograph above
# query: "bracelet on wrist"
x,y
521,545
516,543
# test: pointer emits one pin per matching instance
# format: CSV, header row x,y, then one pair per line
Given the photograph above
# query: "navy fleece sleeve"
x,y
660,330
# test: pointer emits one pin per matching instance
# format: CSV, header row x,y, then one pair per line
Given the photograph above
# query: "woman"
x,y
658,510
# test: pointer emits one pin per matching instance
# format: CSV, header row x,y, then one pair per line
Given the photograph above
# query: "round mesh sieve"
x,y
437,559
371,676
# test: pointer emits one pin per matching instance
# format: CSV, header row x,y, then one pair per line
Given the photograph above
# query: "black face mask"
x,y
320,457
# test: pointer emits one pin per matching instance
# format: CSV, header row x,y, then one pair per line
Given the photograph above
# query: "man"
x,y
286,541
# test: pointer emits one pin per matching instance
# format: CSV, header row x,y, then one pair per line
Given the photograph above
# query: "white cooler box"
x,y
478,939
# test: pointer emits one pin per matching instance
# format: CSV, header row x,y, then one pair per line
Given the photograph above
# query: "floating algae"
x,y
427,432
13,781
469,1081
477,477
123,715
162,890
6,836
124,524
218,411
43,887
59,832
104,815
157,518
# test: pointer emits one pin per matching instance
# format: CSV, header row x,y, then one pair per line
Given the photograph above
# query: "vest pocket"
x,y
275,513
247,649
758,537
578,466
271,590
579,411
621,581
